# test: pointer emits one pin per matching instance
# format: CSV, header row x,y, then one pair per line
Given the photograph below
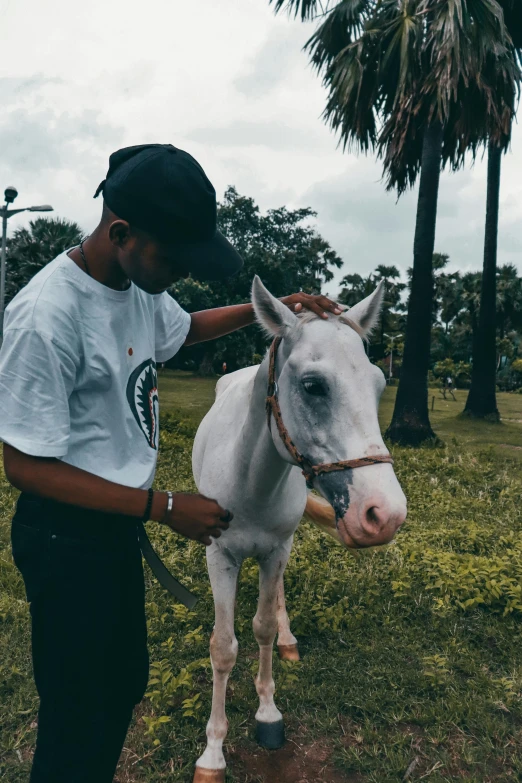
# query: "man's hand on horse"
x,y
317,303
198,517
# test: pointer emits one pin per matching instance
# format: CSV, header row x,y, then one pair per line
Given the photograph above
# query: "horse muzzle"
x,y
366,514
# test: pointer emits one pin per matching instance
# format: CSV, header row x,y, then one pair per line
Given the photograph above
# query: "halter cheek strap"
x,y
310,471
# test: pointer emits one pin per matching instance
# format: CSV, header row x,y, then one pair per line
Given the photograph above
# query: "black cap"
x,y
165,192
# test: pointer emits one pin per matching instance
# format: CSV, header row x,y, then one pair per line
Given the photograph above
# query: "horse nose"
x,y
374,518
379,522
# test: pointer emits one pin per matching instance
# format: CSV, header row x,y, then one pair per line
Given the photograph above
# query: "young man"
x,y
79,422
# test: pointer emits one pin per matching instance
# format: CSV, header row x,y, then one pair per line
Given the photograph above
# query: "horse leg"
x,y
286,641
269,721
223,572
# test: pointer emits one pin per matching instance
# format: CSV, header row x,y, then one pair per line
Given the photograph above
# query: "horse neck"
x,y
260,467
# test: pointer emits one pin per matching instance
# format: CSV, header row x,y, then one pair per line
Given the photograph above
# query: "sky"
x,y
227,81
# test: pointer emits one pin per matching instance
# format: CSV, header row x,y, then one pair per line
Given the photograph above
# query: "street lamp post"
x,y
395,337
10,194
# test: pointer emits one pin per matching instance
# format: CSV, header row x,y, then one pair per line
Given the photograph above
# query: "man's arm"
x,y
194,516
210,324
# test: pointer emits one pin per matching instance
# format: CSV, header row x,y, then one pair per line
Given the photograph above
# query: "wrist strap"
x,y
170,503
146,515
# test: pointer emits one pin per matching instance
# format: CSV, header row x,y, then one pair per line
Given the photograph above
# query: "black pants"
x,y
84,580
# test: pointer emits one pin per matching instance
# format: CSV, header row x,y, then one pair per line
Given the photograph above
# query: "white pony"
x,y
327,395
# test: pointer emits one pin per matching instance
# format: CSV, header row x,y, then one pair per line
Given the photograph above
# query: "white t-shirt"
x,y
78,372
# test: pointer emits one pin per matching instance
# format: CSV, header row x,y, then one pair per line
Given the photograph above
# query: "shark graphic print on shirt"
x,y
142,395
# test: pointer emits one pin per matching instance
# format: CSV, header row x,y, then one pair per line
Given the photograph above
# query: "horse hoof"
x,y
270,735
289,652
202,775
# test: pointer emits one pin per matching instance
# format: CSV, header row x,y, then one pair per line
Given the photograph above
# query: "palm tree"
x,y
482,402
30,249
354,287
393,289
423,81
448,288
509,300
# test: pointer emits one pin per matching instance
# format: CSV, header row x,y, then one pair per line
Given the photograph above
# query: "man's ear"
x,y
119,232
271,314
366,312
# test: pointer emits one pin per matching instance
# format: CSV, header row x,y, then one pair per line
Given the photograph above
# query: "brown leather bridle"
x,y
309,471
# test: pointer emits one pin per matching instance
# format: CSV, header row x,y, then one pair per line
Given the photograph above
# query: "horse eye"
x,y
315,388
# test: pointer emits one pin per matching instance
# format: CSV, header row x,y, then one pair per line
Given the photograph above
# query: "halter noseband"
x,y
309,471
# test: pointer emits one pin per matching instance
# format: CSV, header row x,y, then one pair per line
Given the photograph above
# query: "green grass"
x,y
186,395
412,655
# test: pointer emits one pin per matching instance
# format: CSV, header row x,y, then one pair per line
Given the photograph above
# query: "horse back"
x,y
222,424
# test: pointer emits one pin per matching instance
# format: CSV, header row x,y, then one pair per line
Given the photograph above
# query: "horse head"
x,y
328,395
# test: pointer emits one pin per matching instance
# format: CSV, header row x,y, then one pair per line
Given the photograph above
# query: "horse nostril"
x,y
372,515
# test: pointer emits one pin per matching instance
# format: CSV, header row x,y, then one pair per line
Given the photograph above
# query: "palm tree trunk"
x,y
411,423
481,400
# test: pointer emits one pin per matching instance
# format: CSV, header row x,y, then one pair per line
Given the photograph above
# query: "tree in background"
x,y
287,253
481,400
423,81
393,288
30,249
456,302
354,287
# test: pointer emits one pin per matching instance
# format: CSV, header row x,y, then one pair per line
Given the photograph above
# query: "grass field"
x,y
412,655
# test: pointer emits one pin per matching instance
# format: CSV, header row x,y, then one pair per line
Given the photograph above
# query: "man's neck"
x,y
102,264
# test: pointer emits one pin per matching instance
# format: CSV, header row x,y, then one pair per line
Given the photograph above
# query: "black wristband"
x,y
146,516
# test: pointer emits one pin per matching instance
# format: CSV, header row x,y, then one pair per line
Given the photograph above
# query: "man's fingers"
x,y
223,514
206,540
328,304
317,303
220,512
318,309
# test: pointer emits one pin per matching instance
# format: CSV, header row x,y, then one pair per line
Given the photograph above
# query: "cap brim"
x,y
214,259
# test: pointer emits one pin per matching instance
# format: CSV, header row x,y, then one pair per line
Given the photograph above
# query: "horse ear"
x,y
366,312
271,314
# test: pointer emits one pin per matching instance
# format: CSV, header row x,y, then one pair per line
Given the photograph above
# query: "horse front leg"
x,y
223,572
286,641
269,721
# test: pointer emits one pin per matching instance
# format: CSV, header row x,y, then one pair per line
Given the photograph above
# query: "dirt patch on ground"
x,y
293,763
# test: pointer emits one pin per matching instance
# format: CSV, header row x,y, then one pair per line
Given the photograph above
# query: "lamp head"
x,y
10,193
42,208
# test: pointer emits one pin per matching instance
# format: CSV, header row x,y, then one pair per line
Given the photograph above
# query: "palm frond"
x,y
306,9
392,67
342,25
513,20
